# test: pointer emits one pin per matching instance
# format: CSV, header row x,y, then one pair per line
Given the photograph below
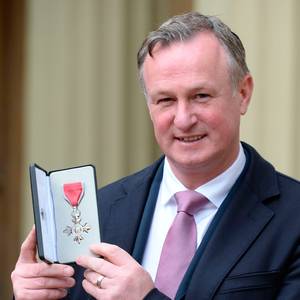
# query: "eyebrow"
x,y
197,87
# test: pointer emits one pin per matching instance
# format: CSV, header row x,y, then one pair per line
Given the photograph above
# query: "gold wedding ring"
x,y
99,281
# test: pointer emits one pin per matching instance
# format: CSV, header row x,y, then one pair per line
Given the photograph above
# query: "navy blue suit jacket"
x,y
254,251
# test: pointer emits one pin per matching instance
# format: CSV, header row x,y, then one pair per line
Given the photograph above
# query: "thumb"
x,y
28,248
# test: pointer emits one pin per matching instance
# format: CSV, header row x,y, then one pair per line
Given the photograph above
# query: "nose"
x,y
185,115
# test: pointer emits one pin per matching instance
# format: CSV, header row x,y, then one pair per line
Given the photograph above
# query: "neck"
x,y
195,176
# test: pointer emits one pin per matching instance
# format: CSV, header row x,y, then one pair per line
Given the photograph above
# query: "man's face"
x,y
193,107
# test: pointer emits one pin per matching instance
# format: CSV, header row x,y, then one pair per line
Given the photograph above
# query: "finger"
x,y
93,290
41,294
112,253
99,265
44,270
28,248
48,283
93,277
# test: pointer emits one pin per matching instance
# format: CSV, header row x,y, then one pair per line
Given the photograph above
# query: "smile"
x,y
189,139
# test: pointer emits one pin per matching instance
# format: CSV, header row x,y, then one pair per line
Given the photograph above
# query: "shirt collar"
x,y
214,190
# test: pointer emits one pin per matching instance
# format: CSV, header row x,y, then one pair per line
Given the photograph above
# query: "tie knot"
x,y
190,201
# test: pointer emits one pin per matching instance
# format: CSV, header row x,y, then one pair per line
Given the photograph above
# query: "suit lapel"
x,y
237,227
122,206
230,240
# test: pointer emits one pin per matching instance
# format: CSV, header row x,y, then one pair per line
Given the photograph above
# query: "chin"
x,y
188,163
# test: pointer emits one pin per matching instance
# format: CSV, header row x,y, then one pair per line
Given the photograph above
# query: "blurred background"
x,y
69,93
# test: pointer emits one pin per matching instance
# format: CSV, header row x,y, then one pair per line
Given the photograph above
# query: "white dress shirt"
x,y
165,211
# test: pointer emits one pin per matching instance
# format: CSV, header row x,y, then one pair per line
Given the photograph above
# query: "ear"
x,y
245,92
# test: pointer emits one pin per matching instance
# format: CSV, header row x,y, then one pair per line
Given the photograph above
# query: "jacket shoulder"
x,y
131,181
289,187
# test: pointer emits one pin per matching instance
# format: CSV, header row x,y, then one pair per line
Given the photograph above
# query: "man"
x,y
197,86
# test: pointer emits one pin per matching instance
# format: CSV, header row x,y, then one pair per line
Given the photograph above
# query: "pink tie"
x,y
180,243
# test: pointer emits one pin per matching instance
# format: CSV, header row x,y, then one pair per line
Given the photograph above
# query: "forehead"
x,y
202,57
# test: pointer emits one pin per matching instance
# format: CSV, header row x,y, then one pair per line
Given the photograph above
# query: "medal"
x,y
73,194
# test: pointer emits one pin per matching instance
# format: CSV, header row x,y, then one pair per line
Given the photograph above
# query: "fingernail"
x,y
68,271
71,282
78,259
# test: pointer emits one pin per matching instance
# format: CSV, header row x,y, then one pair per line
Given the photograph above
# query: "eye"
x,y
202,95
164,100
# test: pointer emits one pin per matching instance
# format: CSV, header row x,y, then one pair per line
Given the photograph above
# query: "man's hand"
x,y
119,275
37,280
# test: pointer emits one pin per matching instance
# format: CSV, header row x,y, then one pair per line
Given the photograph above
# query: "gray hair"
x,y
186,26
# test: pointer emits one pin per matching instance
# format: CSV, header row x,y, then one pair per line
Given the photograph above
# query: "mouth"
x,y
190,139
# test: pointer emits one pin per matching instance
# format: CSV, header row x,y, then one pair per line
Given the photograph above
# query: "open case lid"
x,y
64,231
